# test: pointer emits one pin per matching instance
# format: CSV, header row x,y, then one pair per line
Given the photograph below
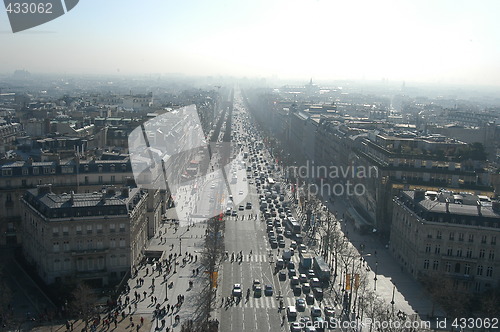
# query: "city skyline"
x,y
448,42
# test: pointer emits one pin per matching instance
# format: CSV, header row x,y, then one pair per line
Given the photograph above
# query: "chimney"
x,y
125,191
72,199
447,205
44,189
479,208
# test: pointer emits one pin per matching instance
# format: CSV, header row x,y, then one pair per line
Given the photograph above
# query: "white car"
x,y
237,290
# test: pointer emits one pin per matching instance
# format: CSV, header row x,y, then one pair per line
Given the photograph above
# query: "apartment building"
x,y
452,234
98,237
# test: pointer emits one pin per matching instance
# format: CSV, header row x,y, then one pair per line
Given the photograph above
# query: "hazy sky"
x,y
419,40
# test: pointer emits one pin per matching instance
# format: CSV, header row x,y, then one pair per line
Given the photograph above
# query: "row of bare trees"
x,y
211,258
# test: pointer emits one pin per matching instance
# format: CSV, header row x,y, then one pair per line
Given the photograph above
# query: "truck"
x,y
306,260
322,269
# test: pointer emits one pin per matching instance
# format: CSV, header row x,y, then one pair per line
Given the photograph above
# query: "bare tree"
x,y
83,303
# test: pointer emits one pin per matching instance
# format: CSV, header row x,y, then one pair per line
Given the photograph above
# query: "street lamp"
x,y
392,301
180,246
375,279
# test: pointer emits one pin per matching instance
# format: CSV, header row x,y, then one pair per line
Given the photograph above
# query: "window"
x,y
7,172
471,238
448,267
452,236
469,253
8,198
483,239
90,263
67,264
55,247
493,240
122,227
86,179
450,252
89,229
78,229
460,237
437,250
429,236
459,252
112,228
100,263
90,244
55,231
99,228
478,286
426,264
112,179
457,268
79,264
66,246
438,235
25,171
435,265
112,168
479,270
467,269
99,168
46,170
428,248
35,171
489,271
100,179
24,183
112,243
491,254
65,230
99,244
122,243
481,253
57,265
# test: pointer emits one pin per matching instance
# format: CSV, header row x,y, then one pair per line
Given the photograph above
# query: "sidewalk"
x,y
122,326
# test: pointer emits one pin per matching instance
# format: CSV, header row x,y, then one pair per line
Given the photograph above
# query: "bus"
x,y
322,269
292,225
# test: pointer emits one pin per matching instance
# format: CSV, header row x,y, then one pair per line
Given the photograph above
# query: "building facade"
x,y
98,237
448,234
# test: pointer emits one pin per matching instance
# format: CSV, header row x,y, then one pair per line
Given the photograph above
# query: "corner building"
x,y
454,235
97,237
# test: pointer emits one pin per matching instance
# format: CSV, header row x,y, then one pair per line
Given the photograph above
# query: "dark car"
x,y
297,290
318,293
268,290
310,299
282,275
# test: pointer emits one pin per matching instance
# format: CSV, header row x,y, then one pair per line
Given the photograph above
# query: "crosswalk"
x,y
271,302
263,258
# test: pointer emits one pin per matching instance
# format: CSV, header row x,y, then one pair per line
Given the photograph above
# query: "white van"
x,y
291,311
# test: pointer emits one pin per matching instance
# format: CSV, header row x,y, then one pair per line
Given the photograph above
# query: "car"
x,y
282,275
280,263
233,213
329,311
257,291
319,323
228,211
249,205
310,274
306,288
302,278
299,238
288,233
268,290
297,291
241,208
237,290
281,243
256,282
271,233
295,327
315,311
300,304
291,312
291,265
310,328
274,244
302,247
294,280
310,299
305,320
318,293
291,273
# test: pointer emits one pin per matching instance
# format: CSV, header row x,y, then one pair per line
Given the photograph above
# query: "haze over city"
x,y
451,42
